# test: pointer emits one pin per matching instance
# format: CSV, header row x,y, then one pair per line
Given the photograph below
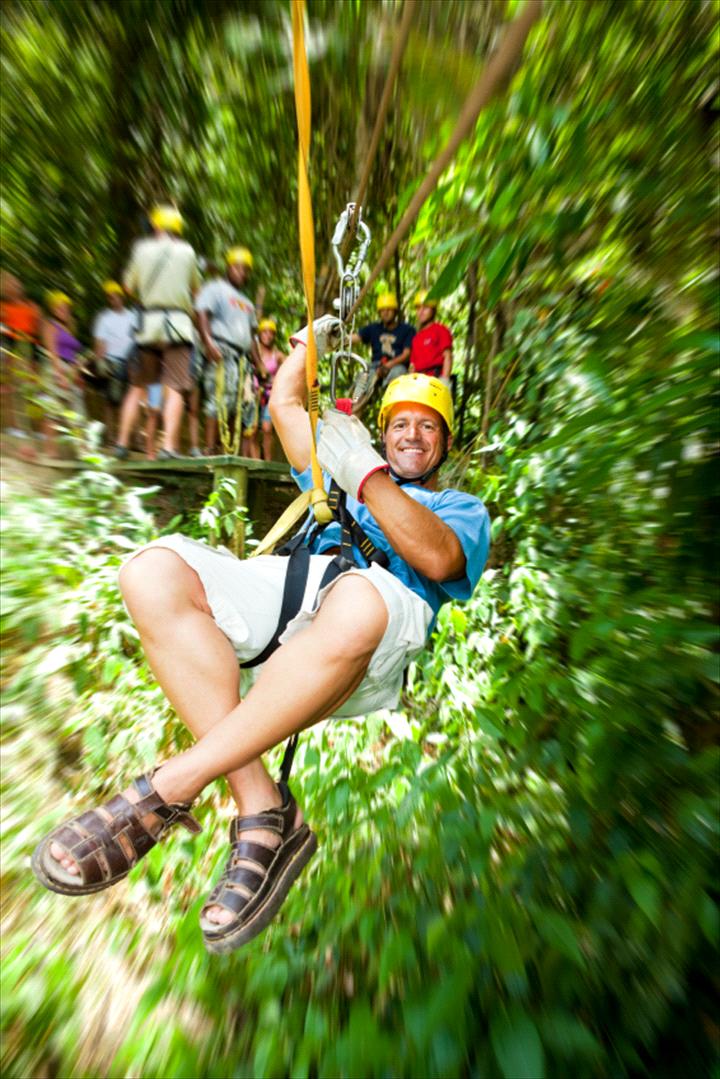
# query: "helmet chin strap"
x,y
420,480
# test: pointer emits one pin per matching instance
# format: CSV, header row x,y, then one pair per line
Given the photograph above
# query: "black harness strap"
x,y
295,581
297,551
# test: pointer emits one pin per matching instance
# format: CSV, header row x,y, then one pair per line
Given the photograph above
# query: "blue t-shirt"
x,y
464,513
386,344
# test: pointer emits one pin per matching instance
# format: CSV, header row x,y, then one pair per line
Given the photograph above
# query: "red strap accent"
x,y
378,468
344,404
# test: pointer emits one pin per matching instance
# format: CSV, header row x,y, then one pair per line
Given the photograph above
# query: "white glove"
x,y
327,334
345,450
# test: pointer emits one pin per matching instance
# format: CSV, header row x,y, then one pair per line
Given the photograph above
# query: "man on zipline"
x,y
199,610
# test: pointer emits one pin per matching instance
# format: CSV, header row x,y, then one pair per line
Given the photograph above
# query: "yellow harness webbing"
x,y
318,496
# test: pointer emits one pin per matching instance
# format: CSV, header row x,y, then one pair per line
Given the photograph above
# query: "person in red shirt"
x,y
19,334
431,351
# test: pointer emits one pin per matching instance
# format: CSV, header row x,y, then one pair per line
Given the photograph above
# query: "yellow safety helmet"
x,y
239,255
421,300
387,299
110,287
267,324
55,297
420,390
166,217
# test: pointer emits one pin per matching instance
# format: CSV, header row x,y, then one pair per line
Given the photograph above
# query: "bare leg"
x,y
50,431
336,647
197,668
193,662
110,415
250,447
267,434
173,407
194,417
151,426
129,413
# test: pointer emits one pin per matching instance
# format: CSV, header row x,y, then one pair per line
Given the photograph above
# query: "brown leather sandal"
x,y
108,841
255,895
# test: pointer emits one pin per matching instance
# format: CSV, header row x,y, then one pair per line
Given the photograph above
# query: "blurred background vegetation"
x,y
517,872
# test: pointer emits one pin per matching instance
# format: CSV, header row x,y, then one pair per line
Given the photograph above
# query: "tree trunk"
x,y
470,349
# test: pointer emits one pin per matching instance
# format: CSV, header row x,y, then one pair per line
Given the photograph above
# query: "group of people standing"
x,y
399,348
171,343
164,340
193,338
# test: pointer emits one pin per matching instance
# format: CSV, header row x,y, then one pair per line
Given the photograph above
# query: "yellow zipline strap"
x,y
287,520
318,496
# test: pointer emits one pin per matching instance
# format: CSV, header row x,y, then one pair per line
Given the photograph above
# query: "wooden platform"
x,y
252,478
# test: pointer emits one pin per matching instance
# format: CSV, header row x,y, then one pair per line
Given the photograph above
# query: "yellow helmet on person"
x,y
417,389
111,288
267,324
387,300
239,256
166,217
421,299
55,297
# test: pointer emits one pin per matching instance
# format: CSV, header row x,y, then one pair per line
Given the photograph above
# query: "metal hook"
x,y
344,354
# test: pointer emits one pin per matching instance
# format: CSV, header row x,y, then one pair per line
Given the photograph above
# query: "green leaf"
x,y
557,931
709,917
517,1046
646,894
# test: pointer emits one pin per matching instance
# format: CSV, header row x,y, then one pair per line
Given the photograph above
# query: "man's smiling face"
x,y
415,439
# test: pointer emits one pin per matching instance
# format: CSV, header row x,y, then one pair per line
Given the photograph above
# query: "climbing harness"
x,y
229,441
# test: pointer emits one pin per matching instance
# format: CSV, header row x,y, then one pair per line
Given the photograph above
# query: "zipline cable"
x,y
498,67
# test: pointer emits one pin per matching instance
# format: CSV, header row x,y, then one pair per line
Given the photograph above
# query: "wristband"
x,y
363,481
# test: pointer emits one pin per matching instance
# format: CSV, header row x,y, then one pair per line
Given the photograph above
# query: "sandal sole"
x,y
265,913
38,867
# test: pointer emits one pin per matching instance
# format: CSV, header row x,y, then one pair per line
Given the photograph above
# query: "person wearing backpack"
x,y
163,274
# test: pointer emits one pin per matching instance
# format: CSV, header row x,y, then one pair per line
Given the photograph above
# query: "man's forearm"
x,y
396,360
287,409
290,386
417,534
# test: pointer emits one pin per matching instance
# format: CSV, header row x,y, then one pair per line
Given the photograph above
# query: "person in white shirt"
x,y
114,339
163,274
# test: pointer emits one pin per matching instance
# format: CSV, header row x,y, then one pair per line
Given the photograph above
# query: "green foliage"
x,y
516,870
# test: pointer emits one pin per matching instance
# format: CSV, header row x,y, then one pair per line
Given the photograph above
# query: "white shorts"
x,y
245,597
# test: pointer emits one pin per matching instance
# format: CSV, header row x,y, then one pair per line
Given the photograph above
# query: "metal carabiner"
x,y
349,274
344,354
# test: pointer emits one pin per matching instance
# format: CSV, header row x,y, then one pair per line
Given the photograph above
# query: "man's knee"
x,y
354,619
158,580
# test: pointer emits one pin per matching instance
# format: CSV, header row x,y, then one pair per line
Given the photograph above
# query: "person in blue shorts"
x,y
366,590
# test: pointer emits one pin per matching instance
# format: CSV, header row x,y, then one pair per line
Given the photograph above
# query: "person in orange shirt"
x,y
20,319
